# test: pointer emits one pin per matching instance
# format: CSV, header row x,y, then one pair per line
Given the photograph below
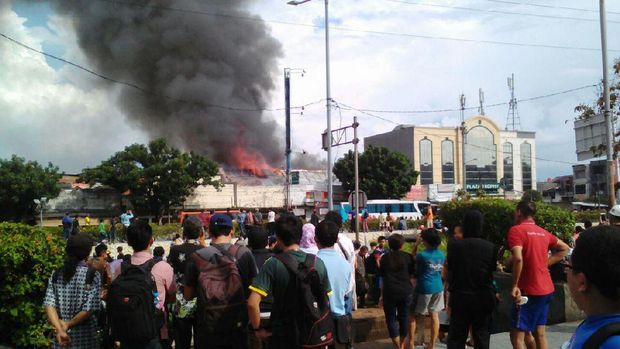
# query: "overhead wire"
x,y
502,12
549,6
147,91
354,30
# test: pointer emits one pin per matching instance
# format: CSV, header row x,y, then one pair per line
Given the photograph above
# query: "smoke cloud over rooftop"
x,y
188,63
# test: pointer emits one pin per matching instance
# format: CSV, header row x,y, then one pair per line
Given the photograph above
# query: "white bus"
x,y
396,208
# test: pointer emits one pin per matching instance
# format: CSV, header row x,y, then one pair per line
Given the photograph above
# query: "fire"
x,y
250,161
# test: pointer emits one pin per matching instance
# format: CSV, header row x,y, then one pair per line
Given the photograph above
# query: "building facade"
x,y
482,157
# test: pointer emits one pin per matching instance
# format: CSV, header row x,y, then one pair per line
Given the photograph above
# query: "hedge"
x,y
499,217
28,256
160,232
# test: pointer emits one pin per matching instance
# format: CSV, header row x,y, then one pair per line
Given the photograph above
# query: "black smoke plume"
x,y
201,59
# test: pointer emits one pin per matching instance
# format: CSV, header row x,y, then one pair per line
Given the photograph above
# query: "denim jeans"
x,y
397,315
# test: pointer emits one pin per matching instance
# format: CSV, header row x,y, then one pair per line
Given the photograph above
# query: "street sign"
x,y
295,177
363,199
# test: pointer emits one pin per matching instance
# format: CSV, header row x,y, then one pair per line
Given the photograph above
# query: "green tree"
x,y
532,195
156,176
21,182
384,173
587,111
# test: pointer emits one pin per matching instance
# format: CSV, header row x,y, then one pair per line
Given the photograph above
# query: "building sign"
x,y
486,186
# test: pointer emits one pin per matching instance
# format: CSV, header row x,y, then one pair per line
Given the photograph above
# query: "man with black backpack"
x,y
136,298
219,275
300,316
593,277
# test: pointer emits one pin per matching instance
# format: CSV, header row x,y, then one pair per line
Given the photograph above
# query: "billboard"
x,y
589,133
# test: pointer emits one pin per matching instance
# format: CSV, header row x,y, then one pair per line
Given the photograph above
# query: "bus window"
x,y
380,208
422,207
408,208
395,208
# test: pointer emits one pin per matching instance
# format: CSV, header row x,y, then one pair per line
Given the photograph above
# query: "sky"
x,y
386,55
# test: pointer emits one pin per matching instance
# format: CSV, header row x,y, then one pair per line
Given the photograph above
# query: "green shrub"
x,y
28,256
160,232
591,215
499,217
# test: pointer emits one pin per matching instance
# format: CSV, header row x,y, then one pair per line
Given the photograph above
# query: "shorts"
x,y
532,314
423,304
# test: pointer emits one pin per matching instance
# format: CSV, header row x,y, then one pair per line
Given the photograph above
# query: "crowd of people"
x,y
293,285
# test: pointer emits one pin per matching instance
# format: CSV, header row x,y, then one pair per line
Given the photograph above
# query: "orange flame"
x,y
250,161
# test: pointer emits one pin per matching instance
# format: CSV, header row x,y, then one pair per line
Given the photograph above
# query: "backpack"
x,y
221,304
601,335
313,322
132,304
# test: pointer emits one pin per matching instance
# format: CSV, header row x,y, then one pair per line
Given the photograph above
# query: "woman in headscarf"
x,y
72,297
307,243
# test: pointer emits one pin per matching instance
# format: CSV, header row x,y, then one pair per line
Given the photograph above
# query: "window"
x,y
580,189
447,162
480,156
508,166
426,161
526,165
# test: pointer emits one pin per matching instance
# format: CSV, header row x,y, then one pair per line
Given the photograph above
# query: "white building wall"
x,y
516,141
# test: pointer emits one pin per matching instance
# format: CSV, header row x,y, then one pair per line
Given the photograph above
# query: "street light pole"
x,y
330,194
610,134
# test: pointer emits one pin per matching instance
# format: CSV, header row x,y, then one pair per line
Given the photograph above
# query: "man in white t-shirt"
x,y
271,222
345,248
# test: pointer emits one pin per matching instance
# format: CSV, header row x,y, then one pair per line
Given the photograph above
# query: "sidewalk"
x,y
556,336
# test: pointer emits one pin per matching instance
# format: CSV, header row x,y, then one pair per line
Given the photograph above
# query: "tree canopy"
x,y
384,174
21,182
156,176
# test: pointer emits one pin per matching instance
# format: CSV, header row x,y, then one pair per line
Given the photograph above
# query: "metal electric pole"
x,y
608,125
287,110
357,180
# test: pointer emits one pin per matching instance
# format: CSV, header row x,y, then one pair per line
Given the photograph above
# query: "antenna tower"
x,y
481,97
513,121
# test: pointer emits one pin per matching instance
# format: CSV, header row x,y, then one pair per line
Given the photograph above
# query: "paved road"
x,y
556,335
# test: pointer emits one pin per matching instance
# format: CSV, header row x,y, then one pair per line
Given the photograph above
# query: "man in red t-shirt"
x,y
530,246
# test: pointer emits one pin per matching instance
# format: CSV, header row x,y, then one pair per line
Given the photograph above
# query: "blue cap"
x,y
221,220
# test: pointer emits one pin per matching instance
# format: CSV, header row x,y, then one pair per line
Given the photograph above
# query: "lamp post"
x,y
330,198
41,202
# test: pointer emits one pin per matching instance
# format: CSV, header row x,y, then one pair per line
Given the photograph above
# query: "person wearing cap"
x,y
220,232
530,246
593,278
614,215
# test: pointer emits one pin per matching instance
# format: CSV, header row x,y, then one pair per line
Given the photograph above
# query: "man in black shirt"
x,y
220,231
184,319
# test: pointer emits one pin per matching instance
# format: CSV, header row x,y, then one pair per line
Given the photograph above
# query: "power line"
x,y
462,8
353,30
446,110
147,91
531,4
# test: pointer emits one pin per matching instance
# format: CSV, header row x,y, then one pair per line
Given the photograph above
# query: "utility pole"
x,y
481,97
287,110
463,100
357,180
610,131
340,136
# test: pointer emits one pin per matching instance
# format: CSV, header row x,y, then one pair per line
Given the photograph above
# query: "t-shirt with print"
x,y
536,242
245,264
273,279
180,255
429,264
587,328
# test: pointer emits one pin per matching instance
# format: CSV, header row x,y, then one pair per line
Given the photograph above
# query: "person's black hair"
x,y
139,234
100,248
211,211
257,237
77,249
527,208
579,229
357,245
219,230
119,249
431,236
380,238
597,255
587,224
396,242
66,213
335,217
327,233
126,257
364,248
191,228
288,229
373,243
158,251
176,236
473,222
